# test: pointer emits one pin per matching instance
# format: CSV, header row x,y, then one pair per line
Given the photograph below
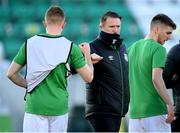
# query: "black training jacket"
x,y
108,93
171,74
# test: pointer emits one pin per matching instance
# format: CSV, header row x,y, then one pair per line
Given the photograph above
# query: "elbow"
x,y
155,77
9,75
90,79
157,81
154,80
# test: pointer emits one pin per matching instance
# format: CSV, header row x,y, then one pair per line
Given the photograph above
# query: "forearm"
x,y
161,89
89,62
18,80
87,71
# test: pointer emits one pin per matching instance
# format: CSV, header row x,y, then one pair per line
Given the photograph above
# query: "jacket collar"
x,y
111,39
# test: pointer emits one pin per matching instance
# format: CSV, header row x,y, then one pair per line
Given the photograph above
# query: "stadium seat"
x,y
82,18
12,46
3,27
23,12
4,12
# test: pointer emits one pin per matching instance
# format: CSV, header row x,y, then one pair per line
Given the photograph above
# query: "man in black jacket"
x,y
171,77
108,94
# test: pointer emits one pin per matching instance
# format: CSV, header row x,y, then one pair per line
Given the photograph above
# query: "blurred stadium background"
x,y
21,19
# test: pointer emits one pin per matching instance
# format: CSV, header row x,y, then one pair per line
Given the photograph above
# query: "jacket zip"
x,y
99,95
120,63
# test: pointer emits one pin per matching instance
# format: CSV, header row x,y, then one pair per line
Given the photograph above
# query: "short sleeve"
x,y
159,57
77,59
20,58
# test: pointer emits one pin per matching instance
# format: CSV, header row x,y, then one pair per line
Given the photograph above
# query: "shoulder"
x,y
175,48
133,46
157,47
160,49
95,42
33,38
74,46
175,51
75,49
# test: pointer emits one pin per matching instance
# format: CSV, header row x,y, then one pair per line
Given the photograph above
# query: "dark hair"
x,y
163,19
109,14
54,14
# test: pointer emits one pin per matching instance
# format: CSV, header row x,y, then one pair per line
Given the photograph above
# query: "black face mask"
x,y
112,39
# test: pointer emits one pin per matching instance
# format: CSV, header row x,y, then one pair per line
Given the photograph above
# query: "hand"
x,y
85,48
95,58
170,116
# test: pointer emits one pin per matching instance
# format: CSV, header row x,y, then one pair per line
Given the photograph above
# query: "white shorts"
x,y
150,124
41,123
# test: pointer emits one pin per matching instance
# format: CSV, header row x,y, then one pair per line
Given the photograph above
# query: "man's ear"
x,y
63,25
157,29
44,23
100,27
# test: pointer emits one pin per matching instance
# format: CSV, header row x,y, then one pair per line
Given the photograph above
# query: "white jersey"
x,y
43,55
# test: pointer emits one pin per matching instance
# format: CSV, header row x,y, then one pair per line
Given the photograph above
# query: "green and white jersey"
x,y
144,55
50,52
50,97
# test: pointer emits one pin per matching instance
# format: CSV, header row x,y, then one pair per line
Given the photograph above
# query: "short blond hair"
x,y
54,15
109,14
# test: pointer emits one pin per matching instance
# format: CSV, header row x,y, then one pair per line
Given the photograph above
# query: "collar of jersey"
x,y
50,35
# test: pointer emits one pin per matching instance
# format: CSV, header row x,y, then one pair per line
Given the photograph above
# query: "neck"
x,y
152,36
54,30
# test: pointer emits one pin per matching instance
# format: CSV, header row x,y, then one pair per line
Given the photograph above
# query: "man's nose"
x,y
116,30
